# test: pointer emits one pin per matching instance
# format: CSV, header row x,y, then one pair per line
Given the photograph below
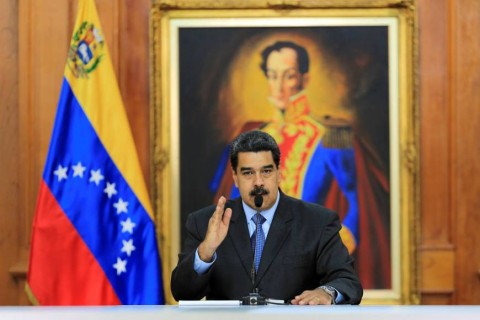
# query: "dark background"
x,y
205,55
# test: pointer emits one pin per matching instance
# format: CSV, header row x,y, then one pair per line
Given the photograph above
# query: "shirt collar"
x,y
267,214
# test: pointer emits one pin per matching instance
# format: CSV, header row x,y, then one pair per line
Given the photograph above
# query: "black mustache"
x,y
259,191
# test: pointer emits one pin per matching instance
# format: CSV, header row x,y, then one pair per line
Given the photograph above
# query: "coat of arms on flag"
x,y
86,49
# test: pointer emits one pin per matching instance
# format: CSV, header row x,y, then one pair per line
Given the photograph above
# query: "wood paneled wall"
x,y
465,119
437,242
34,38
9,150
450,151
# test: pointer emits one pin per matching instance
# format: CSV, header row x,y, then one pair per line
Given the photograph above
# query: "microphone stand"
x,y
255,298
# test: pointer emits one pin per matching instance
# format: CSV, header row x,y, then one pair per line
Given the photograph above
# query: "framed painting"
x,y
211,80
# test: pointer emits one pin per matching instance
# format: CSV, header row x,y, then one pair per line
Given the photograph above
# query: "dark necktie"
x,y
258,239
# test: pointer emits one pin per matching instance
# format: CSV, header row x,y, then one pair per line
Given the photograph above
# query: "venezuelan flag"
x,y
93,238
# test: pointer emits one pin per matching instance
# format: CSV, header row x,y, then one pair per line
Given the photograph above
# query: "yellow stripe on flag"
x,y
97,91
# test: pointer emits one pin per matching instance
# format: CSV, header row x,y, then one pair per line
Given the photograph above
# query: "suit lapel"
x,y
239,235
278,233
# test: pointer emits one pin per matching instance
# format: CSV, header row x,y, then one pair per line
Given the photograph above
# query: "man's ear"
x,y
279,175
234,175
305,80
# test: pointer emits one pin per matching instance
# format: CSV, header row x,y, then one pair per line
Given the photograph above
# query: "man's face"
x,y
257,170
284,77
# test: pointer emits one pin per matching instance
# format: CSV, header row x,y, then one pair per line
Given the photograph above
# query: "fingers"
x,y
227,215
312,297
216,231
218,214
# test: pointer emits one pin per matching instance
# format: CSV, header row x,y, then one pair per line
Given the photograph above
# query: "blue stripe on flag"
x,y
115,227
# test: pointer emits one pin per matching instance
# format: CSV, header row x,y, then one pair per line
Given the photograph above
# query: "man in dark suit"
x,y
303,259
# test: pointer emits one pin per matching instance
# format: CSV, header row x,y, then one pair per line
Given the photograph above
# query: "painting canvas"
x,y
336,118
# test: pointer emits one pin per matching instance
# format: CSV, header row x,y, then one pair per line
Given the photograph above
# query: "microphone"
x,y
258,192
255,298
258,200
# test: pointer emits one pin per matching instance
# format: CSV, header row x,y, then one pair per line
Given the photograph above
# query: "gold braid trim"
x,y
296,159
348,239
30,295
338,132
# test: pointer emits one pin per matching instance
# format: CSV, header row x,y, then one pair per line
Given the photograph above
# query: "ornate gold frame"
x,y
164,143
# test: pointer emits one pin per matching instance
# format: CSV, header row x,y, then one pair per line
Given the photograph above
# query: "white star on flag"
x,y
120,266
127,225
110,189
128,247
96,176
78,170
120,205
61,172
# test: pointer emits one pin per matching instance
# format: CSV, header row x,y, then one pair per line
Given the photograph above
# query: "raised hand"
x,y
216,232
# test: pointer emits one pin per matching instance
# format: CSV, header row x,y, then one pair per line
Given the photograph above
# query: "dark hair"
x,y
302,55
253,141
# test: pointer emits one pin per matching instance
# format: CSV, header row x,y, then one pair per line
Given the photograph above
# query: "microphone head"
x,y
258,200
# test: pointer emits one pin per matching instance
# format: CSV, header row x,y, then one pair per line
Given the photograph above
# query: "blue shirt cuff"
x,y
200,266
339,297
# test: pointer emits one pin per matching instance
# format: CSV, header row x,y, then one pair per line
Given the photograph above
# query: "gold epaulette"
x,y
338,133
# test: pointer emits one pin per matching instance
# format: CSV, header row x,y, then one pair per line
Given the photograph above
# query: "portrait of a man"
x,y
322,93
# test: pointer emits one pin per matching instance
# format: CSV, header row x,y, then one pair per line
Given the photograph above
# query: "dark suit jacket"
x,y
303,250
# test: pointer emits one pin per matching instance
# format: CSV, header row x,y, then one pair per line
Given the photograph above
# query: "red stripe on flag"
x,y
62,270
